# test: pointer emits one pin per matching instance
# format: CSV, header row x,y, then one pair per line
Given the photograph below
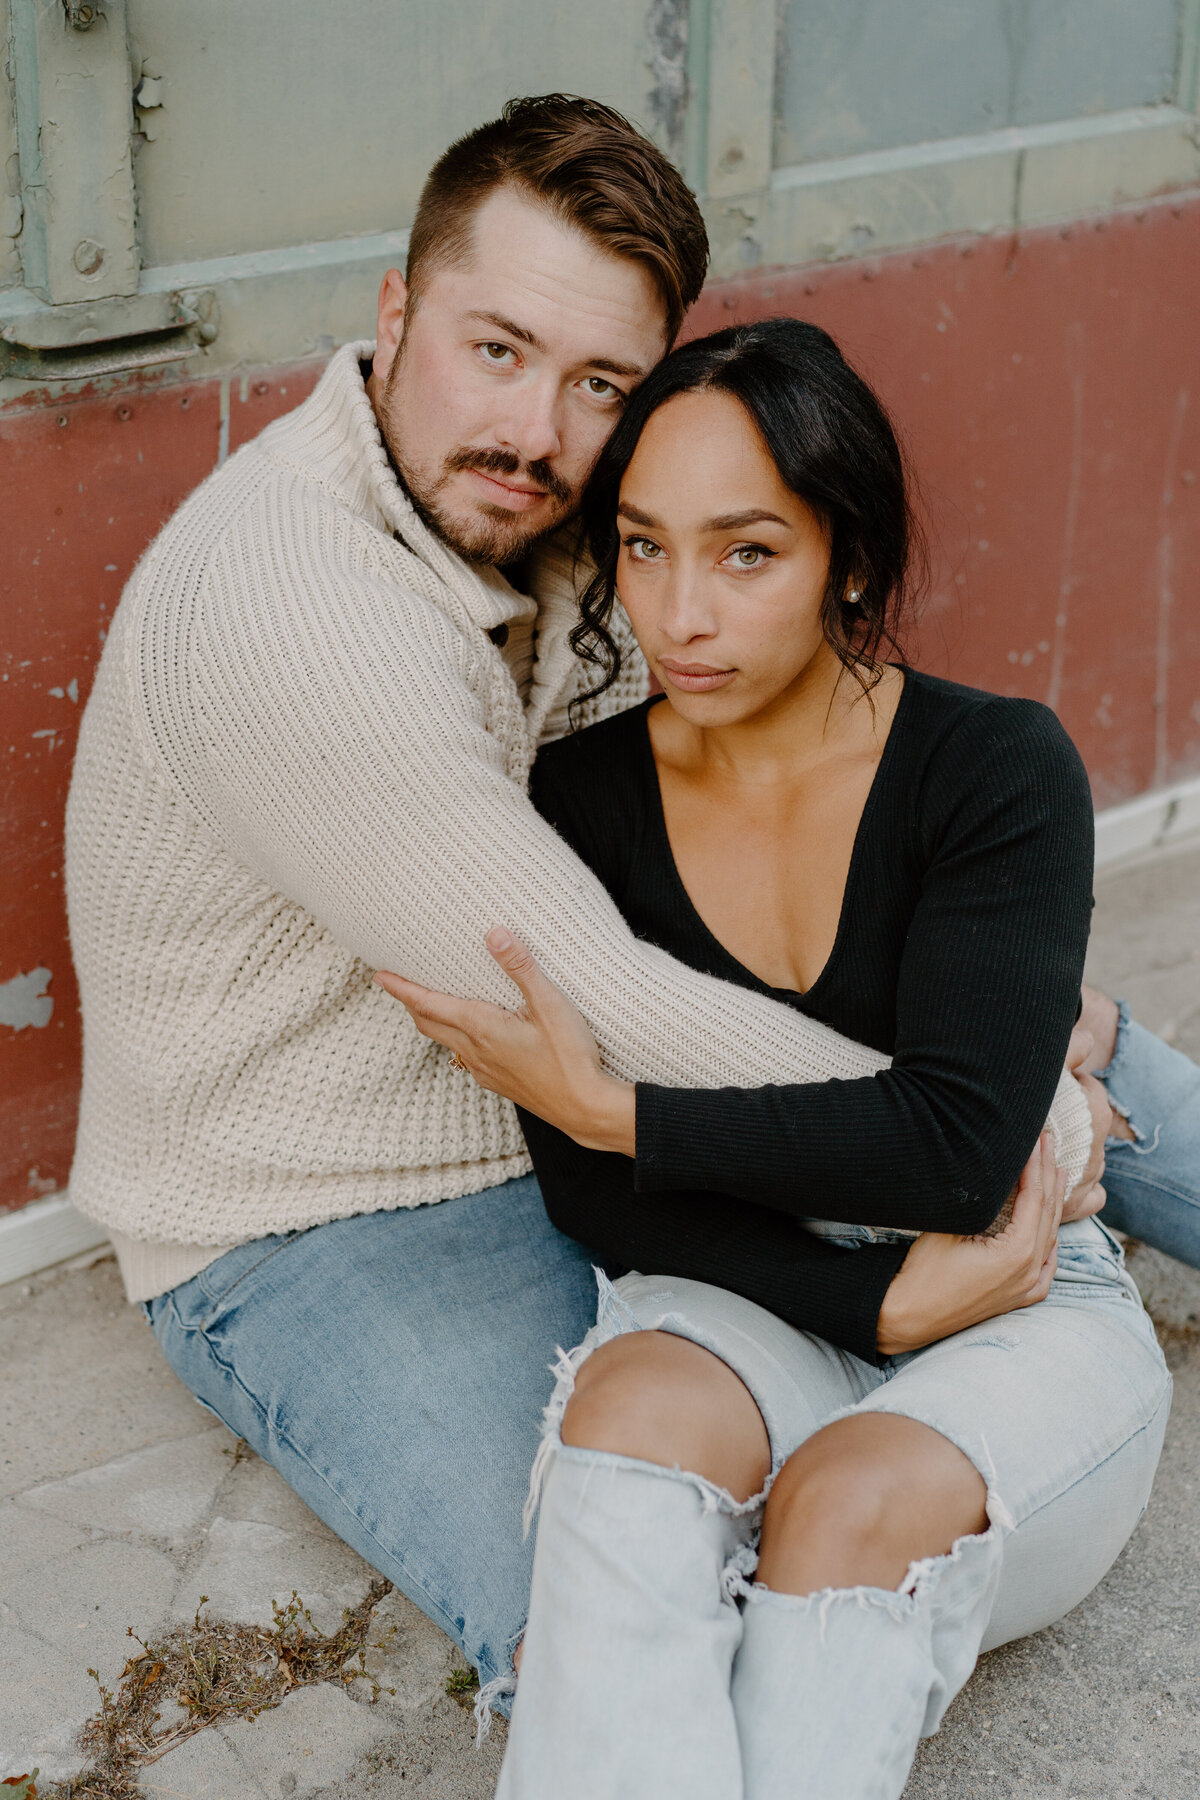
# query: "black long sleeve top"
x,y
959,952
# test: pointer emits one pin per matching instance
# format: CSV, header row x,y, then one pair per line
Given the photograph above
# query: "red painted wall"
x,y
1048,387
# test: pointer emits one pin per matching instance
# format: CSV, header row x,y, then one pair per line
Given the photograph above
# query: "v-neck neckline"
x,y
738,970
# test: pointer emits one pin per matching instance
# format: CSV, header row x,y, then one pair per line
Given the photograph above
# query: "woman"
x,y
821,1406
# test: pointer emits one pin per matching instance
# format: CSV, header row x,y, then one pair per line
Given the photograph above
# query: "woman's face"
x,y
722,569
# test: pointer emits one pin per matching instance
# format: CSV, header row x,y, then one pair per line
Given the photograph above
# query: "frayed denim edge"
x,y
614,1318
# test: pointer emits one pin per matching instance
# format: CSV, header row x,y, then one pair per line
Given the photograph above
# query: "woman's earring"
x,y
855,596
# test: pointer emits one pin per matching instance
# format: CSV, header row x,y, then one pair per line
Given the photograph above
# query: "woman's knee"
x,y
663,1399
862,1499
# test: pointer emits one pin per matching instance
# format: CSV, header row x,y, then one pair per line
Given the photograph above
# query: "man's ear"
x,y
393,298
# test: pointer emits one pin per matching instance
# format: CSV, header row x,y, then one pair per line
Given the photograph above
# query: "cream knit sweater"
x,y
305,759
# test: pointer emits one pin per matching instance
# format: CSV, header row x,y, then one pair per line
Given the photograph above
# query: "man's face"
x,y
496,393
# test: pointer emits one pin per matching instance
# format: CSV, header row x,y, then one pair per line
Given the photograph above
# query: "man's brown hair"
x,y
592,168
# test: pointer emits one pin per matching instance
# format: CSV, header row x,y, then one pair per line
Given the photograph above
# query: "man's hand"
x,y
1080,1061
947,1283
542,1056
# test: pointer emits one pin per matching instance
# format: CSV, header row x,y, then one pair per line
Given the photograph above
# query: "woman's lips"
x,y
504,493
694,678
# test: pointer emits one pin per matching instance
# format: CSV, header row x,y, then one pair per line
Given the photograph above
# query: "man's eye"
x,y
601,389
497,352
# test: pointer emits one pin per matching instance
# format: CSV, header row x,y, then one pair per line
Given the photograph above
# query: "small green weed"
x,y
213,1671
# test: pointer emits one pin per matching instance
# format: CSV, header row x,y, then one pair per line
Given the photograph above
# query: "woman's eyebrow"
x,y
635,515
753,515
735,521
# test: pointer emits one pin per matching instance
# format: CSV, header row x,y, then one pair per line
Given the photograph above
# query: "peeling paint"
x,y
24,1000
667,30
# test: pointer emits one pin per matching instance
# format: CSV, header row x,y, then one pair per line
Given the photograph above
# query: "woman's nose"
x,y
686,613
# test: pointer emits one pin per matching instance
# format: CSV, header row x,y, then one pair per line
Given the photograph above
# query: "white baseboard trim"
x,y
50,1231
1153,823
43,1233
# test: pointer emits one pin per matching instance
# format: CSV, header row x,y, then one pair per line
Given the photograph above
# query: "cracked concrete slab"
x,y
45,1696
245,1567
317,1737
95,1594
166,1492
121,1503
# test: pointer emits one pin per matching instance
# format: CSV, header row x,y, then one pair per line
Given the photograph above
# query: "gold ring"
x,y
456,1062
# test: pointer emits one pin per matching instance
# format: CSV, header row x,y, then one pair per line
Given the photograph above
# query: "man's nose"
x,y
532,427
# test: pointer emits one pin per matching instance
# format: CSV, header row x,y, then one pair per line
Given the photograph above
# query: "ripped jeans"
x,y
653,1666
1153,1183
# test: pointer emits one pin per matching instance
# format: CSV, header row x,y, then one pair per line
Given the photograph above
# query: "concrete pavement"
x,y
122,1502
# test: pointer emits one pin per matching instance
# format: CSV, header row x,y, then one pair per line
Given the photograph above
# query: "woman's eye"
x,y
749,556
643,549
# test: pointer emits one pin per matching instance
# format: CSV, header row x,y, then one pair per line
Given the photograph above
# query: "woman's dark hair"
x,y
833,445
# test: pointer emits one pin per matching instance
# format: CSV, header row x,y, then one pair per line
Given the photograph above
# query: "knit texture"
x,y
304,759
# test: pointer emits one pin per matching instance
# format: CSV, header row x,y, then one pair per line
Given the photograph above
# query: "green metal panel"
x,y
1187,89
282,123
10,178
874,74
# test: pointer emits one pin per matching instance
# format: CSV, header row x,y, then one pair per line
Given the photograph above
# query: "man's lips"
x,y
693,678
513,495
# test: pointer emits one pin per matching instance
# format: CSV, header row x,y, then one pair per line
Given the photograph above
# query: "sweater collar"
x,y
343,446
335,437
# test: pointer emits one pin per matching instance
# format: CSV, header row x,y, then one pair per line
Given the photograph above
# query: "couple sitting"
x,y
781,970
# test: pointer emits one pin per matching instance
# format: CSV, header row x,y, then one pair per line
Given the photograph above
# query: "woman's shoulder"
x,y
949,714
616,739
976,754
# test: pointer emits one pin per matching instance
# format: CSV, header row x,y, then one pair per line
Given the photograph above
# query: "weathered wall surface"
x,y
1048,388
994,204
885,72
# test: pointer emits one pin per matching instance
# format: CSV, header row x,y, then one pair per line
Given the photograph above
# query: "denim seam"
x,y
217,1301
1095,1468
448,1625
1133,1172
1003,1516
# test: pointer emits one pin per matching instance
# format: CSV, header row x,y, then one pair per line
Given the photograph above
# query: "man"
x,y
305,758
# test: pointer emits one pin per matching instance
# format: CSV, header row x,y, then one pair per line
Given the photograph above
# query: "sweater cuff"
x,y
854,1286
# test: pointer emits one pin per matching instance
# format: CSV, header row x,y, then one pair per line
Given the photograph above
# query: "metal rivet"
x,y
260,387
88,256
124,413
81,16
62,419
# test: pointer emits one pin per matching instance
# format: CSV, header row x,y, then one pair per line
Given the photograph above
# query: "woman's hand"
x,y
947,1283
543,1056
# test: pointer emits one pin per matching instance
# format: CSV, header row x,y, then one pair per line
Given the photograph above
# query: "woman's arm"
x,y
879,1299
987,995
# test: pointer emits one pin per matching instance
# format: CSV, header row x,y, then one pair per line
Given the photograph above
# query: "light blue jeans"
x,y
1153,1183
654,1666
393,1366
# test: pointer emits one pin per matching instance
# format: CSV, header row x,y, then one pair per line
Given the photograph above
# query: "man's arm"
x,y
329,731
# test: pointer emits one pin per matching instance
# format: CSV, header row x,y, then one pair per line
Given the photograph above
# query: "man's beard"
x,y
491,534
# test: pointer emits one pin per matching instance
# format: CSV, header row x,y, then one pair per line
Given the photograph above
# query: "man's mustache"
x,y
507,462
